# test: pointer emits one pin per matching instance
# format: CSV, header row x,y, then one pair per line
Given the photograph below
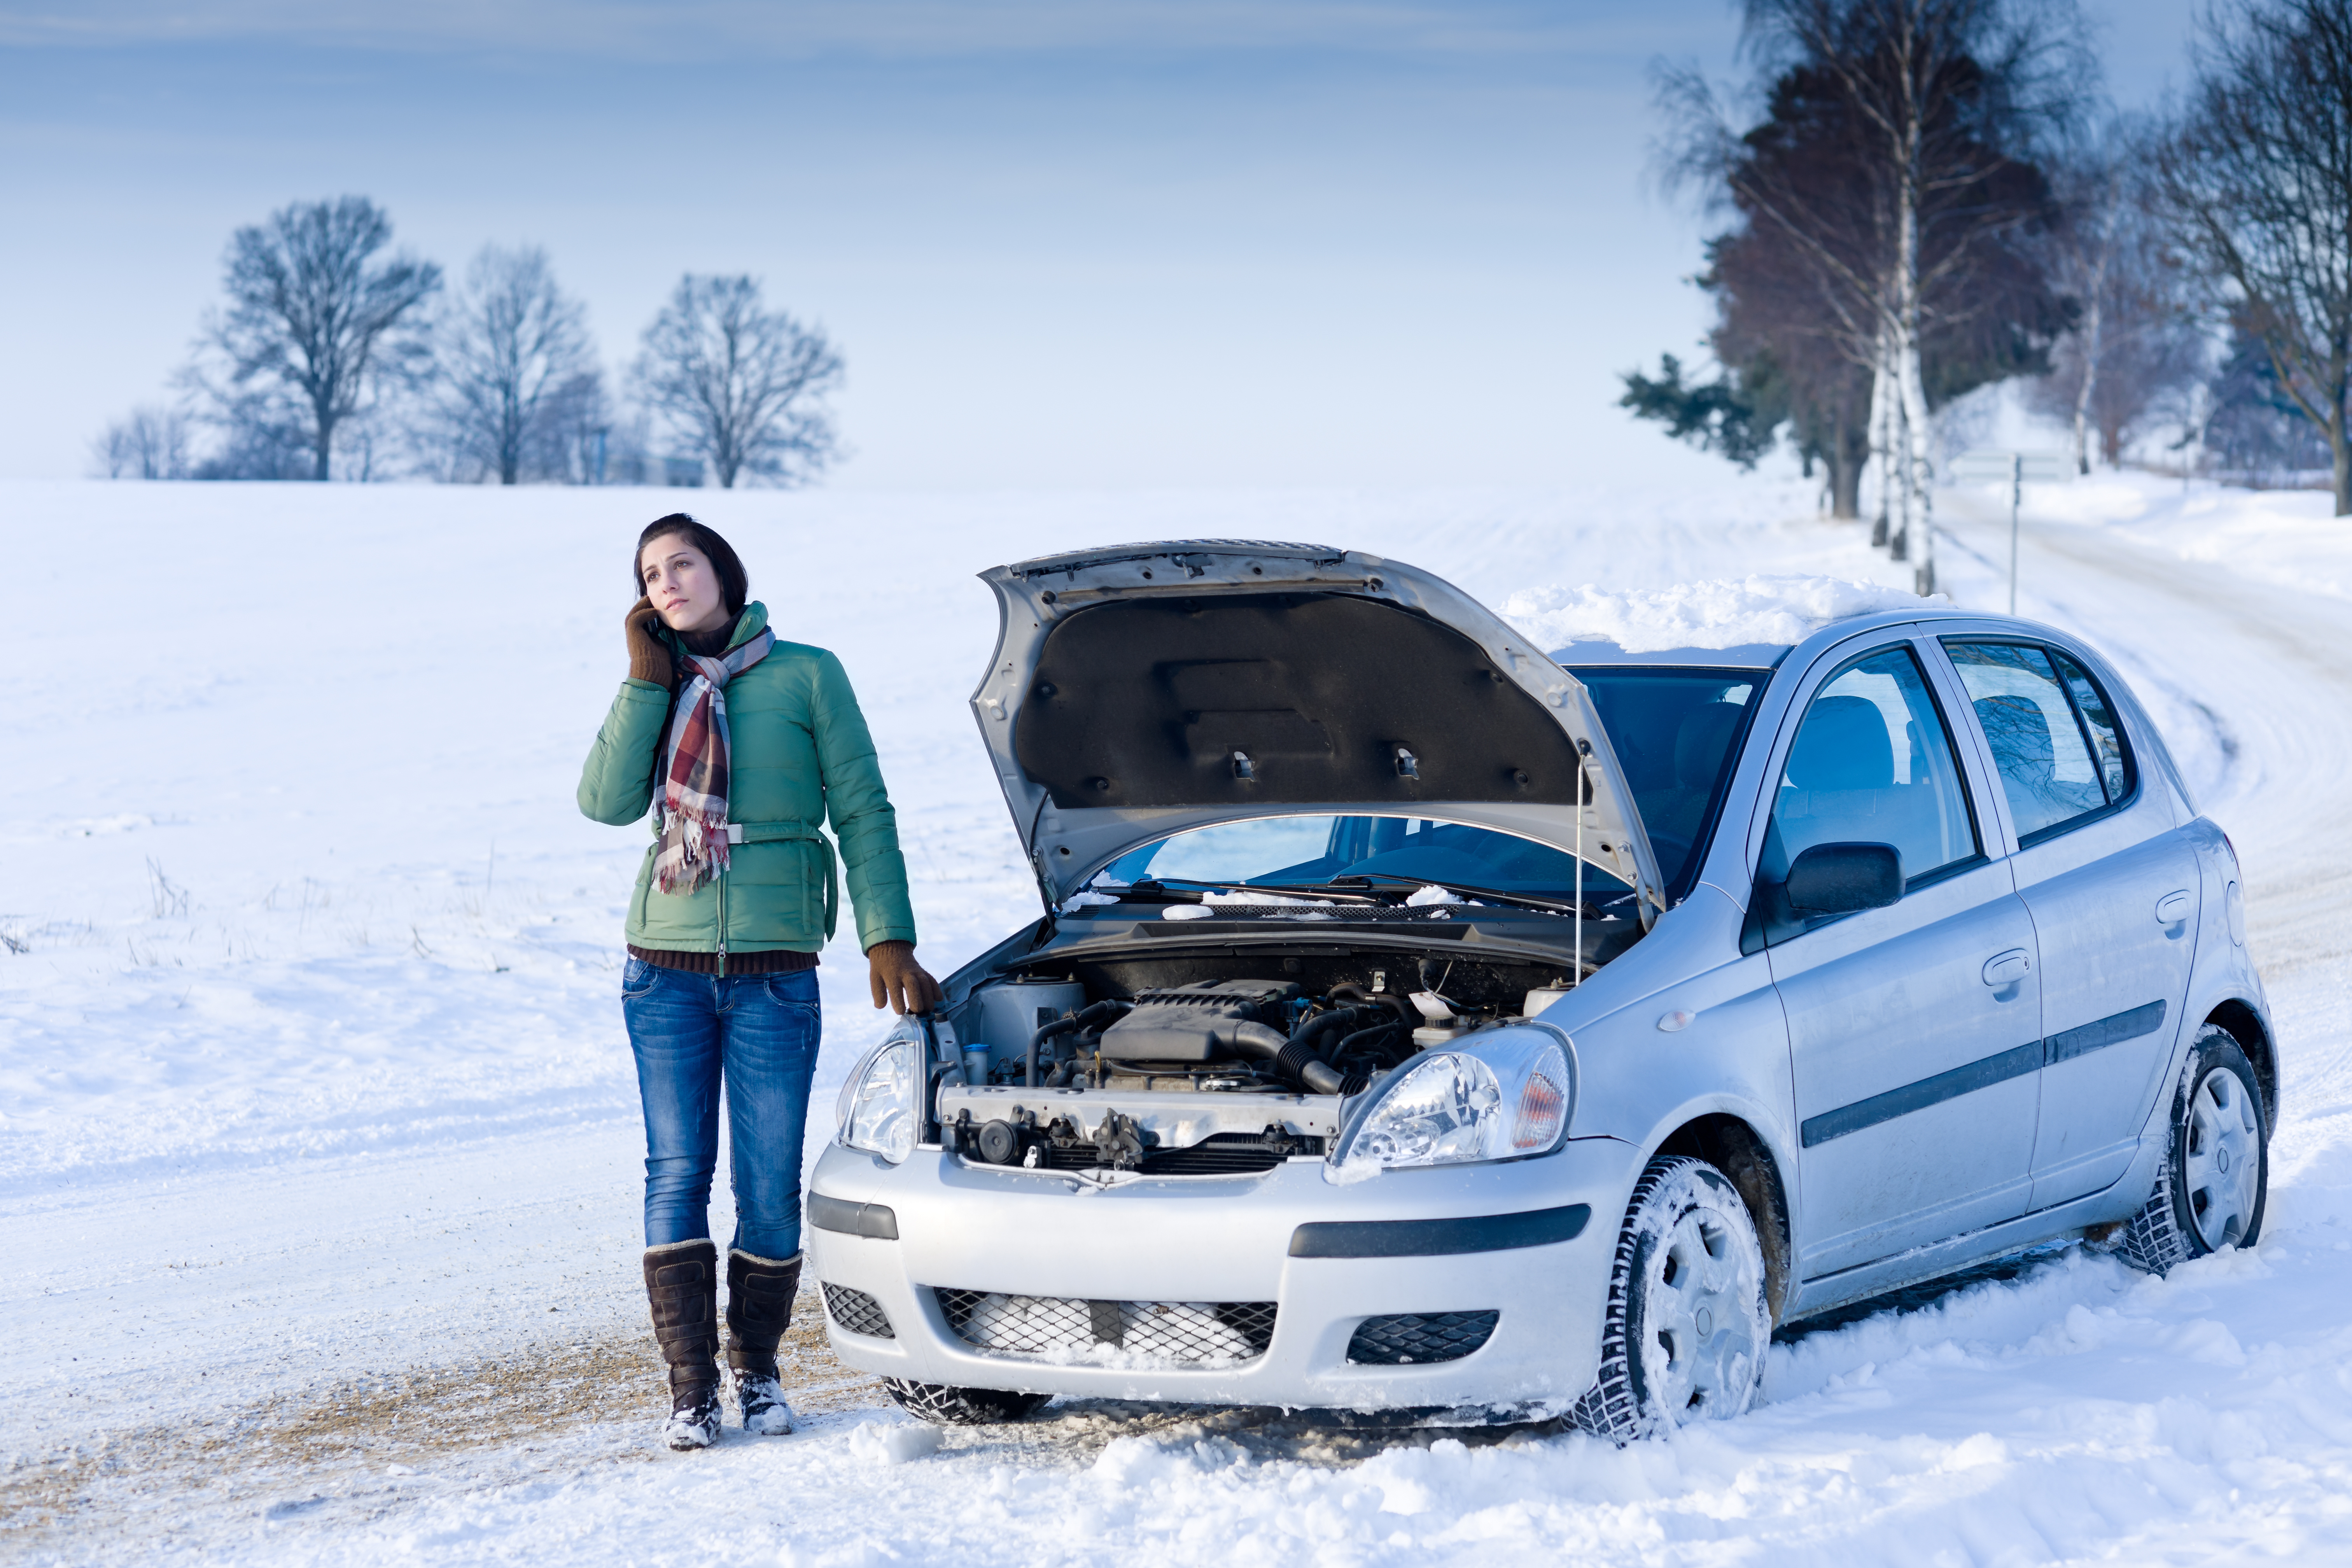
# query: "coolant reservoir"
x,y
1010,1011
1541,998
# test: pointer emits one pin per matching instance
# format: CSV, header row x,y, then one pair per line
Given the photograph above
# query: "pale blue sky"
x,y
1062,243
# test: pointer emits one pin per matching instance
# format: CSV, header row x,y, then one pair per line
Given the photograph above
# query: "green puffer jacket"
x,y
798,754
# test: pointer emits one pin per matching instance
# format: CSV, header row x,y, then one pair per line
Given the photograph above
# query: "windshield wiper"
x,y
1152,890
1526,901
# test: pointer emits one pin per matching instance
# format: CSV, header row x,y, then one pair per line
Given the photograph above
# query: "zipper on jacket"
x,y
722,926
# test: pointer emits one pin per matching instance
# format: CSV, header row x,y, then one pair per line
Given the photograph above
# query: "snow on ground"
x,y
318,1139
2282,537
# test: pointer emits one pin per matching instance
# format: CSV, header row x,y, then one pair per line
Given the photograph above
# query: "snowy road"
x,y
290,1179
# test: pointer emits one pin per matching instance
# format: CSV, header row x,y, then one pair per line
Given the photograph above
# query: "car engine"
x,y
1209,1076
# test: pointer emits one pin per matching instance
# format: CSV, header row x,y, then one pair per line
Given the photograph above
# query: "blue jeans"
x,y
757,1033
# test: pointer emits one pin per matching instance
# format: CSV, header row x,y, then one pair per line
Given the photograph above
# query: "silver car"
x,y
1417,1021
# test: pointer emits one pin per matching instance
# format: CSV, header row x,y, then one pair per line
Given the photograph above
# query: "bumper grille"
x,y
1413,1339
857,1312
1060,1327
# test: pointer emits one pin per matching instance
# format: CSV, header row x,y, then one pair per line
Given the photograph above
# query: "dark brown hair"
x,y
734,583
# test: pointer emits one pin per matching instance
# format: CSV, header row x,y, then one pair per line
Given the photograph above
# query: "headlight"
x,y
881,1105
1503,1098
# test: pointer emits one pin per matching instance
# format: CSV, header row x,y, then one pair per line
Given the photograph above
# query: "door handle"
x,y
2008,968
2173,908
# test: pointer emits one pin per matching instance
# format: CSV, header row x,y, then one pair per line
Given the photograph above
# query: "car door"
x,y
2112,884
1912,1028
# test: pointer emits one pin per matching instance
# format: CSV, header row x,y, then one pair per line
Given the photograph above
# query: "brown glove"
x,y
649,655
898,980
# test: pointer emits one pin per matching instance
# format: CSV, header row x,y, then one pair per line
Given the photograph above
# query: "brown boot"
x,y
682,1286
759,1310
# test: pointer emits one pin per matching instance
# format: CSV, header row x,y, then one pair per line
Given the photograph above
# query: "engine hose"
x,y
1360,1039
1069,1023
1304,1058
1338,1020
1291,1062
1404,1010
1302,1050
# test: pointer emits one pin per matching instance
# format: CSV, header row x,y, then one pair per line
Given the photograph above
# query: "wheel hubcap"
x,y
1703,1326
2221,1165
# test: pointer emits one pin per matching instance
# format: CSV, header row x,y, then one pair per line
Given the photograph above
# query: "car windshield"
x,y
1296,851
1674,731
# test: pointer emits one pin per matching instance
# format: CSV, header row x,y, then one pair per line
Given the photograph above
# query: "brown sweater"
x,y
709,645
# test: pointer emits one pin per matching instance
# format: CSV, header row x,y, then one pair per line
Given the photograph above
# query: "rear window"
x,y
1674,732
2055,741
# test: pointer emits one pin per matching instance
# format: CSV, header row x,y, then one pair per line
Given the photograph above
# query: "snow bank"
x,y
1759,608
2285,538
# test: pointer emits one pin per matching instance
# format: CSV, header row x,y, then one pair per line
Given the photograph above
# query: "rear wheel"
x,y
945,1405
2214,1183
1687,1327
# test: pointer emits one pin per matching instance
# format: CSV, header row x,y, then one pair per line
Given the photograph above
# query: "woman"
x,y
742,744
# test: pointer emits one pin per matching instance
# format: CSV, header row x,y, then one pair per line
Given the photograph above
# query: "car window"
x,y
2099,720
1872,764
2054,767
1672,731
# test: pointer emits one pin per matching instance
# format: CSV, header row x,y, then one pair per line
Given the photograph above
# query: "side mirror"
x,y
1839,878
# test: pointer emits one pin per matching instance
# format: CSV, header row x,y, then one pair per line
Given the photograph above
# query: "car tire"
x,y
945,1405
1686,1329
2214,1183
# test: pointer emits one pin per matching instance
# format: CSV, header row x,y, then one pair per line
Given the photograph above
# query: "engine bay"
x,y
1202,1064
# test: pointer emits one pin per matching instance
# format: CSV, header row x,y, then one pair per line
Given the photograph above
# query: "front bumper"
x,y
969,1227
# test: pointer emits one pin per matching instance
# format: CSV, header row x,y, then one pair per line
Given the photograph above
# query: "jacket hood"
x,y
1140,689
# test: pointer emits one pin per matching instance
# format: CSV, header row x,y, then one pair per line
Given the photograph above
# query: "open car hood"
x,y
1141,690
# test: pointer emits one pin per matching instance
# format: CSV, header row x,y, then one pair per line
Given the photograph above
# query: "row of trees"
x,y
334,356
1929,198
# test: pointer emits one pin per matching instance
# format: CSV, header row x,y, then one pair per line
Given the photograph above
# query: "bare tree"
x,y
314,329
572,441
511,353
1945,101
2088,245
1799,340
2256,180
2136,344
151,444
740,386
2251,430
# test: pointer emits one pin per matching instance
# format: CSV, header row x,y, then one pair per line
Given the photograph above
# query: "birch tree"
x,y
1949,99
1894,166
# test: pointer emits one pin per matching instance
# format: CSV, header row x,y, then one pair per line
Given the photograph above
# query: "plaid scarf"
x,y
694,771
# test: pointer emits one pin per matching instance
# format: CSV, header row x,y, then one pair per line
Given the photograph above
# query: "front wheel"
x,y
943,1404
1687,1326
2214,1183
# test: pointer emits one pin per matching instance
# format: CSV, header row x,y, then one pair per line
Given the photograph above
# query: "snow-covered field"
x,y
319,1137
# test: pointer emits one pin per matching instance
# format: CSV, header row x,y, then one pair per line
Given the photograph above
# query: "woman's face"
x,y
682,583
